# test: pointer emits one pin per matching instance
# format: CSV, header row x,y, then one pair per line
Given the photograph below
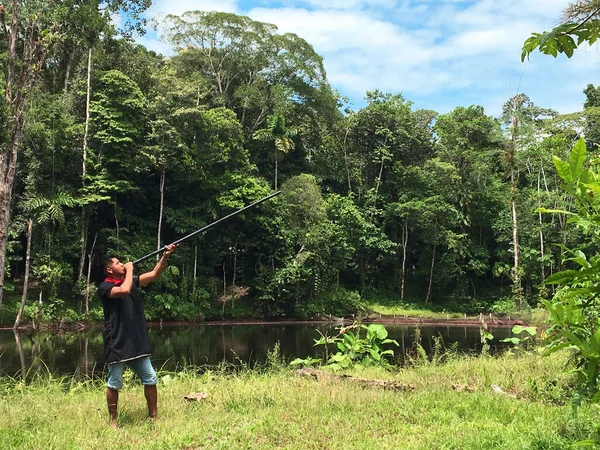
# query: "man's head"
x,y
112,267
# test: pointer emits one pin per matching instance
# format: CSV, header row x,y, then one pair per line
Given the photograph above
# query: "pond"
x,y
174,347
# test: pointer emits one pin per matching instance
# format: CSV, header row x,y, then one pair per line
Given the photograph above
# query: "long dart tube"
x,y
156,252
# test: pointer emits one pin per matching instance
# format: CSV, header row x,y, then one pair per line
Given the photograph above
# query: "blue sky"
x,y
439,53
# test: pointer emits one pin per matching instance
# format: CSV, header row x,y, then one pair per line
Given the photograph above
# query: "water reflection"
x,y
21,354
81,353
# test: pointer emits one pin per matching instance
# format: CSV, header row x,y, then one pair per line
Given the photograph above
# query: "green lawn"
x,y
400,311
273,409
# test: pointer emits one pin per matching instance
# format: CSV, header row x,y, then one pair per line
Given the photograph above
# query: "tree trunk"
x,y
395,239
160,211
195,267
26,279
224,290
39,309
4,220
404,246
68,70
517,289
8,165
87,284
378,182
235,253
275,169
346,160
82,242
20,81
84,224
89,276
430,275
541,228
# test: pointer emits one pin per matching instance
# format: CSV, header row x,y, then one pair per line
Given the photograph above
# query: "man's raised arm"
x,y
125,288
148,277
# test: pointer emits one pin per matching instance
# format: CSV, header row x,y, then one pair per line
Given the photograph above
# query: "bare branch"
x,y
580,9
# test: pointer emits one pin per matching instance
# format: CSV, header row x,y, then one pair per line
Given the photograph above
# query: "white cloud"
x,y
349,4
152,43
333,31
116,19
434,51
161,8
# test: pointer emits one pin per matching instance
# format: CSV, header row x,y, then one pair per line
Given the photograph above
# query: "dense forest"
x,y
116,149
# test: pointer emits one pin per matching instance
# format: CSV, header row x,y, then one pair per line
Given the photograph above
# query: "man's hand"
x,y
128,266
170,249
125,288
148,277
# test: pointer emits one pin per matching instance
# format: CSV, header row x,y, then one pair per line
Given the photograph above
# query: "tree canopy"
x,y
121,150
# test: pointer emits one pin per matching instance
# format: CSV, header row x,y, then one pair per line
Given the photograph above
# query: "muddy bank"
x,y
474,321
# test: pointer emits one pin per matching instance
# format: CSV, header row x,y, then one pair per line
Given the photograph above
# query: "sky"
x,y
440,54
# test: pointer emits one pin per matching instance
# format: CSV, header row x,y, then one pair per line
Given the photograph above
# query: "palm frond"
x,y
263,135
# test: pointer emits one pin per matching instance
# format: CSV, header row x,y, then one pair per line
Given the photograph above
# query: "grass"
x,y
273,409
402,311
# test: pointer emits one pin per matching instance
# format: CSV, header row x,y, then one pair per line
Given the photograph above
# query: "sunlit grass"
x,y
271,408
401,311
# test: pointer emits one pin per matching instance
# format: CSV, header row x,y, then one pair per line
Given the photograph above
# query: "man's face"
x,y
116,268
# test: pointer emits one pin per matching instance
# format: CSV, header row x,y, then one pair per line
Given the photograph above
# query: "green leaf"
x,y
375,354
557,348
567,45
577,158
564,170
581,344
518,329
562,277
379,330
530,45
320,341
298,362
586,443
554,211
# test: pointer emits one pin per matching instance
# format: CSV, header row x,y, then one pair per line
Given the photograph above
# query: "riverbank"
x,y
493,320
516,401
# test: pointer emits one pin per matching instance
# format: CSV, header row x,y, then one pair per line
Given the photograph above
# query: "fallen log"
x,y
320,375
195,397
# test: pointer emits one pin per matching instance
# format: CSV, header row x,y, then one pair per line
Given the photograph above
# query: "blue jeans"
x,y
142,368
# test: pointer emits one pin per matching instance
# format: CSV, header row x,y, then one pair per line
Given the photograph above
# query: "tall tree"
x,y
280,134
521,116
470,140
32,32
41,210
248,67
591,113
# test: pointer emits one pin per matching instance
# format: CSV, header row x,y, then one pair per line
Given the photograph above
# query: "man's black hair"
x,y
105,262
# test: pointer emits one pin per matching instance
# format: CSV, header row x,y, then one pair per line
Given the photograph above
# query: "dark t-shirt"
x,y
125,333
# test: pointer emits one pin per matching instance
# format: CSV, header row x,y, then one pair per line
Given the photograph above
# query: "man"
x,y
125,334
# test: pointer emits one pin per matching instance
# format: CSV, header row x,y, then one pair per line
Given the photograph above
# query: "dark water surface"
x,y
81,353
